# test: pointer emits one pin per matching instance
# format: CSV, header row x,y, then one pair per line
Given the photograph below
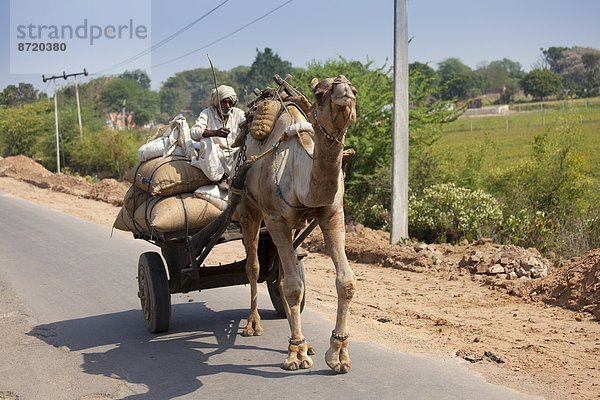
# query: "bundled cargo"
x,y
162,197
168,176
180,212
174,141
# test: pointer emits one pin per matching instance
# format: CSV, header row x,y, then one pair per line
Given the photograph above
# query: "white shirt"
x,y
209,119
215,156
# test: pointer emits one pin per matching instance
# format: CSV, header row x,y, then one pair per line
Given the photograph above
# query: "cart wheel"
x,y
154,292
273,287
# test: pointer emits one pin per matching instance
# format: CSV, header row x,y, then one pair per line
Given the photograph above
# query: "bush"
x,y
28,130
368,197
547,197
447,213
106,153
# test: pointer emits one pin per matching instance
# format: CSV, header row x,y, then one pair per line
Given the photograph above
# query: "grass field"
x,y
510,138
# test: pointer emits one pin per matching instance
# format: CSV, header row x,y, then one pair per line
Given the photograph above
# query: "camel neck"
x,y
327,167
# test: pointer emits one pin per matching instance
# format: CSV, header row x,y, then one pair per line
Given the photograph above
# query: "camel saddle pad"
x,y
264,119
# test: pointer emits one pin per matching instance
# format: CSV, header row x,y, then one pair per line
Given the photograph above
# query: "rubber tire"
x,y
273,288
154,292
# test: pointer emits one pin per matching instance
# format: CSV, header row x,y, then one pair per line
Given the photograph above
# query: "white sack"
x,y
214,195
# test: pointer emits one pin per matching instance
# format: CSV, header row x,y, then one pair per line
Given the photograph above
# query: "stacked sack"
x,y
162,197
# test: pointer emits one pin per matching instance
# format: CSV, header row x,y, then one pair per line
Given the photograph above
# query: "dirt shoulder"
x,y
539,335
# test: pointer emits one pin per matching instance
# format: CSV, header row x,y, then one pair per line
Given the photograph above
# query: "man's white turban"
x,y
225,92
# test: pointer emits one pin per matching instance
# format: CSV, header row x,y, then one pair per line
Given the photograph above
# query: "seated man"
x,y
216,129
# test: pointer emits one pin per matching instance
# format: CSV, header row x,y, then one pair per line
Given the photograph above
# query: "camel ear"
x,y
317,90
313,84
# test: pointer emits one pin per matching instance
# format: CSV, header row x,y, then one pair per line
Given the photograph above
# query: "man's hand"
x,y
221,132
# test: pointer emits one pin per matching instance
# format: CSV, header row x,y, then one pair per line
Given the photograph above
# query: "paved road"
x,y
85,338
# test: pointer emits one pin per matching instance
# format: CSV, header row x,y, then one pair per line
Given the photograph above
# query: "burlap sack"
x,y
124,221
168,176
264,119
174,213
134,197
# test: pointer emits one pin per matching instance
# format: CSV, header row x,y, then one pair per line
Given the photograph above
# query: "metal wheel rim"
x,y
143,287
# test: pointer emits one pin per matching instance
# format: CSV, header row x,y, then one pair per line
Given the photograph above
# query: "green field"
x,y
510,137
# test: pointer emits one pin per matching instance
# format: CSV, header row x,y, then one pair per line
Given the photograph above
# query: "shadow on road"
x,y
171,364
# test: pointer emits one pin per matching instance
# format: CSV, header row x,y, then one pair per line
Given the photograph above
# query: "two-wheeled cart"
x,y
185,253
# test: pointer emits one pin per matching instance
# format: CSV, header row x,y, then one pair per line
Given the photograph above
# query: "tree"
x,y
591,63
490,78
499,76
456,79
552,58
237,79
188,92
139,76
541,83
427,76
262,70
578,67
128,93
18,95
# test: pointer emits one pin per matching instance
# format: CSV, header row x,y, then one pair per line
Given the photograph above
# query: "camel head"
x,y
335,107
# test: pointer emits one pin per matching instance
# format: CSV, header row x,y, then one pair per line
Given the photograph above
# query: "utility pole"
x,y
85,73
399,207
54,78
123,114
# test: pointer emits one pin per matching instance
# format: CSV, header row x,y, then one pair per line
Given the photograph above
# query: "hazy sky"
x,y
474,31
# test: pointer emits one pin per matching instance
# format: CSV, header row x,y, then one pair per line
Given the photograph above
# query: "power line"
x,y
161,43
222,37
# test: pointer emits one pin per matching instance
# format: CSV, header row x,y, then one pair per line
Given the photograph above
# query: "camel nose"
x,y
342,82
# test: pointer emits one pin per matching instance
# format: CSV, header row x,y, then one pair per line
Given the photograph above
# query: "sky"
x,y
299,31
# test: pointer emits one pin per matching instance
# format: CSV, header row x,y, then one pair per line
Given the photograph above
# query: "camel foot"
x,y
253,327
338,357
255,330
297,356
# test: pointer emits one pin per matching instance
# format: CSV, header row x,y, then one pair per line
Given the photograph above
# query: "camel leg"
x,y
293,286
338,357
286,307
250,230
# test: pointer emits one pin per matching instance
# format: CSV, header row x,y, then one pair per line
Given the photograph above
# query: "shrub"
x,y
368,197
106,153
448,213
547,197
28,130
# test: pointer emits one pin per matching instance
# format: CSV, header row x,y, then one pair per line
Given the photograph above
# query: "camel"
x,y
302,180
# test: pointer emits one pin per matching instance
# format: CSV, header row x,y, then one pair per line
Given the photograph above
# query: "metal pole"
x,y
56,127
54,78
399,207
78,109
123,114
